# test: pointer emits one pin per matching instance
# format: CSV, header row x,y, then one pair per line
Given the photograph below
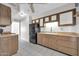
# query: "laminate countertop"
x,y
73,34
7,34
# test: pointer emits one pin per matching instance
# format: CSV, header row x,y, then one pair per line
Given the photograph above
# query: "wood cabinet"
x,y
5,15
8,44
65,43
67,18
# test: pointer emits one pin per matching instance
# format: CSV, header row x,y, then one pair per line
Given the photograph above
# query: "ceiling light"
x,y
22,14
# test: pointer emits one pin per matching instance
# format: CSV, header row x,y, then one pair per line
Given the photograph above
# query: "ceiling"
x,y
26,7
40,8
31,8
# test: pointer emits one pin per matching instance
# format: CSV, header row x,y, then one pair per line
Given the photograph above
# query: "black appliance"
x,y
33,30
1,31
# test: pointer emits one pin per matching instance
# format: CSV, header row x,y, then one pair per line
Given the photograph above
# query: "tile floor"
x,y
29,49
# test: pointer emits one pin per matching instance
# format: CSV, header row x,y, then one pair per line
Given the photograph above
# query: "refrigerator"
x,y
33,30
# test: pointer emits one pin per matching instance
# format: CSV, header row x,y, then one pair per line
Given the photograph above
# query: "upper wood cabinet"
x,y
67,18
5,15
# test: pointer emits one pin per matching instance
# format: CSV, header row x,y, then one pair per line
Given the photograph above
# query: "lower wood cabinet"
x,y
8,44
65,44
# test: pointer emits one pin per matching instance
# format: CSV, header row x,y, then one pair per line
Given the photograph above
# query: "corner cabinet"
x,y
5,15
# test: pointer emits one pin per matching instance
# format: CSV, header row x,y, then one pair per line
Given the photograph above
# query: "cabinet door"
x,y
52,42
67,50
67,45
4,10
4,45
13,47
5,15
39,38
45,40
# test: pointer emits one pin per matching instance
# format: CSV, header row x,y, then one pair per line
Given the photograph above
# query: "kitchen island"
x,y
8,44
65,42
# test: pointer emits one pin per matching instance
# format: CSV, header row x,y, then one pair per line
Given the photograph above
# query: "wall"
x,y
25,29
64,28
6,29
15,27
21,28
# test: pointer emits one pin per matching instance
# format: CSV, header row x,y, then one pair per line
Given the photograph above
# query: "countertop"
x,y
73,34
7,34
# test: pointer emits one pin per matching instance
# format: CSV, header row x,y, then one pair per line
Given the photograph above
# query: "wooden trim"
x,y
73,19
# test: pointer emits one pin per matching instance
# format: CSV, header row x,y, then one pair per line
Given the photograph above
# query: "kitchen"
x,y
57,32
55,24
